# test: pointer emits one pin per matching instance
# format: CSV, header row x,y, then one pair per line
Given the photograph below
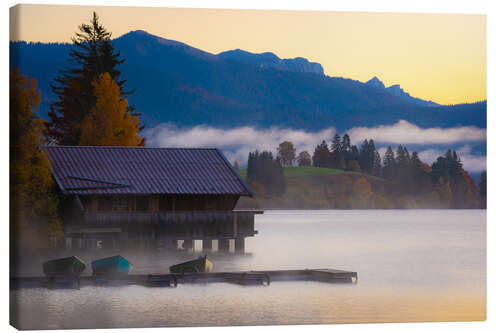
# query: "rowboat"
x,y
111,266
69,266
200,265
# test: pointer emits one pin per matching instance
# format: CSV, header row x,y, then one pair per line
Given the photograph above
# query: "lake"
x,y
413,265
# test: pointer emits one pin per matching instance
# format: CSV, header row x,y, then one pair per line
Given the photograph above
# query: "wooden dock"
x,y
172,280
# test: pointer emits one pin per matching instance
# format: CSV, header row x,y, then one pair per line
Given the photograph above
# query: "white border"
x,y
421,6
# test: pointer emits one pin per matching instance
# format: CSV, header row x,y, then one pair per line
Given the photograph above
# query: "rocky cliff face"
x,y
396,90
270,60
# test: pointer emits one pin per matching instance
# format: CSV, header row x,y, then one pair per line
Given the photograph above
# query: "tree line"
x,y
405,175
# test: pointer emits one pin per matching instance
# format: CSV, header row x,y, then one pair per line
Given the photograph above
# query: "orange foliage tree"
x,y
33,201
108,122
362,192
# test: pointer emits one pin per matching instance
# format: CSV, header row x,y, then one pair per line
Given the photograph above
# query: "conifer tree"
x,y
389,163
92,55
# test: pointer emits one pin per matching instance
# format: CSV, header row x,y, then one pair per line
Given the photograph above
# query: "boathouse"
x,y
142,197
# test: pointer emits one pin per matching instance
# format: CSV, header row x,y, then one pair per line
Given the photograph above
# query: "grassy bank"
x,y
318,188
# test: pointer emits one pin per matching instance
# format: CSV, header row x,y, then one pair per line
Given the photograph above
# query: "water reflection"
x,y
413,266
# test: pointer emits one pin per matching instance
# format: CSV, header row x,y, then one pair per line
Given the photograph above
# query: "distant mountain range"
x,y
174,82
395,90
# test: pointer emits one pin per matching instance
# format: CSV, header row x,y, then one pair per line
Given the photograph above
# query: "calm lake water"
x,y
413,265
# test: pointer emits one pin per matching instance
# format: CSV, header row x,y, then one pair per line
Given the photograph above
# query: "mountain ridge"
x,y
177,83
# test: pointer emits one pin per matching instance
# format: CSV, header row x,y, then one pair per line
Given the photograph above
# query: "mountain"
x,y
396,90
270,60
174,82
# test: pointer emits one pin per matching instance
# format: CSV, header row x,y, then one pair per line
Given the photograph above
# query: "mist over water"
x,y
413,265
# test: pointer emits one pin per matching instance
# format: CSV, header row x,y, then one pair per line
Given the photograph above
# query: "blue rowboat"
x,y
69,266
111,266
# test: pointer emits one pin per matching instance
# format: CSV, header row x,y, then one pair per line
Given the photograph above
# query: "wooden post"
x,y
235,224
93,203
239,244
188,244
173,244
207,244
224,245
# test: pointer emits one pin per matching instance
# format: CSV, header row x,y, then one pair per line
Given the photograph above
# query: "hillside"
x,y
177,83
314,188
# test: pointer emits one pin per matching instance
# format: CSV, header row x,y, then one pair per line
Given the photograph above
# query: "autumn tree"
x,y
33,204
286,153
304,159
322,156
108,123
354,166
92,55
362,193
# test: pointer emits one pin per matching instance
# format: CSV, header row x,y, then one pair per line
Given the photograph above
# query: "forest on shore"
x,y
345,176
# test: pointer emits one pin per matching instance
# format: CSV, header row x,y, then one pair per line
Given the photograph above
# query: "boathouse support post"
x,y
188,244
207,244
223,245
172,244
239,244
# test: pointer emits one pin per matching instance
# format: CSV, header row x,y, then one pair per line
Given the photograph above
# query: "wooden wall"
x,y
156,203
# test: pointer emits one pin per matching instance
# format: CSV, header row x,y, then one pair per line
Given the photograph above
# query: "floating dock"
x,y
172,280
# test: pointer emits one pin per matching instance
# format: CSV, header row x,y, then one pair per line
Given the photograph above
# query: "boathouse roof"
x,y
133,170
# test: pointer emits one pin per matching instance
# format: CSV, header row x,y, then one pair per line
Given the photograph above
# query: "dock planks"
x,y
172,280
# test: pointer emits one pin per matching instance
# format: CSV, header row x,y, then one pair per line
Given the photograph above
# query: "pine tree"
x,y
377,165
336,151
389,163
93,54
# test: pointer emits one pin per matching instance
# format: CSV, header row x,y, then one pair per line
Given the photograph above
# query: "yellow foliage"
x,y
108,123
382,202
258,188
33,203
362,188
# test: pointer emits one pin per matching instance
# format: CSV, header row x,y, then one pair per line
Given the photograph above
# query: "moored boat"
x,y
111,266
69,266
200,265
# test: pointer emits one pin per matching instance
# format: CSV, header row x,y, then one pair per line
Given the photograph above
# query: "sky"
x,y
438,57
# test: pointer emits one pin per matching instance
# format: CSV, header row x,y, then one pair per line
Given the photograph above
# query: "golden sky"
x,y
441,57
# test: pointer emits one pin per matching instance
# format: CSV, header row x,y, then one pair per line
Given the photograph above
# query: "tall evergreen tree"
x,y
367,156
345,147
389,163
336,150
266,170
482,185
377,165
92,54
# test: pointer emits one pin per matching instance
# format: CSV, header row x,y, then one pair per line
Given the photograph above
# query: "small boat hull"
x,y
69,266
200,265
111,266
